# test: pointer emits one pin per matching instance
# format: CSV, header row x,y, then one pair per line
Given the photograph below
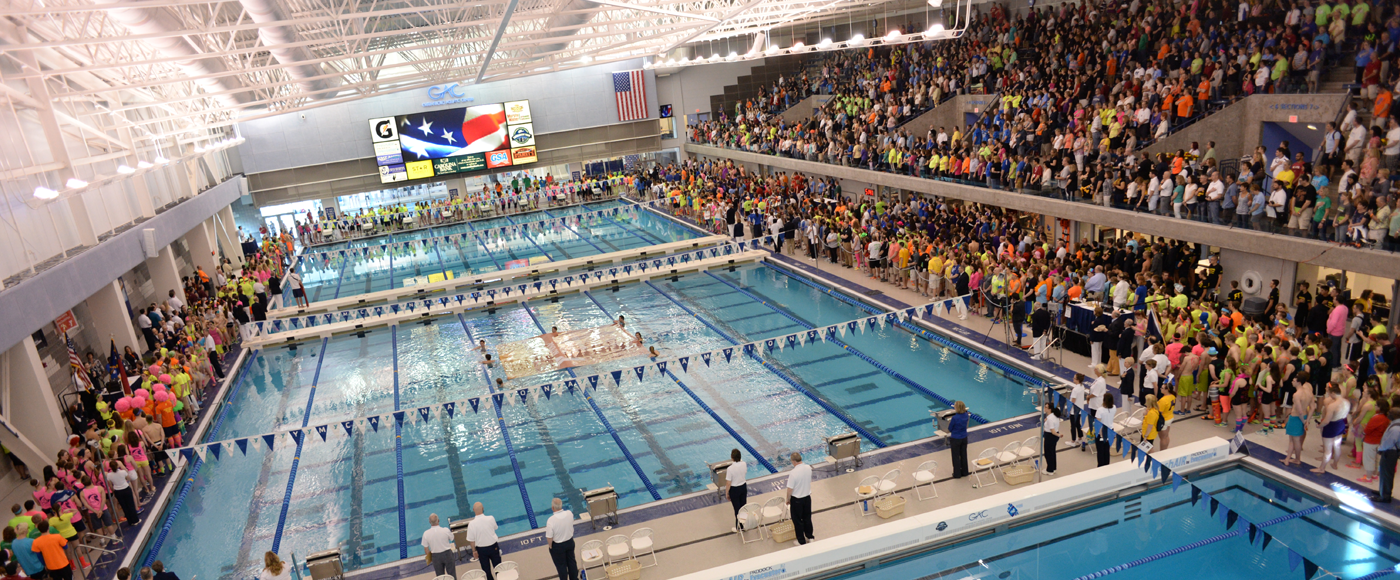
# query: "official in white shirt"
x,y
559,530
799,498
437,545
481,536
736,486
1105,416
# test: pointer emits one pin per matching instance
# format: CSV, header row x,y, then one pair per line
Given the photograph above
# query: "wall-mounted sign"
x,y
449,94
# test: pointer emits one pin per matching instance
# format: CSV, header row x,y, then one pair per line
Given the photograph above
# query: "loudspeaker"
x,y
148,242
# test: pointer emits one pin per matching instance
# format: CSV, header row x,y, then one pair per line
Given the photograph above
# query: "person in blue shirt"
x,y
29,560
1256,207
957,439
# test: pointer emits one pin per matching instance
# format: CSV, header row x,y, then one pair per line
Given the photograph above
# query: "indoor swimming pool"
x,y
369,495
1116,533
338,277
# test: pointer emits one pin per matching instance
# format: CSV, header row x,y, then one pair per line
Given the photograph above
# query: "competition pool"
x,y
369,494
341,277
1138,527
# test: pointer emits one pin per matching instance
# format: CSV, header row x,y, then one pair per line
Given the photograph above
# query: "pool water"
x,y
1125,530
337,277
648,439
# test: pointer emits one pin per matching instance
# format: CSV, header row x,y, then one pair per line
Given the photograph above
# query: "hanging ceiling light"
x,y
935,30
144,165
75,183
772,48
42,192
161,160
892,35
125,169
824,43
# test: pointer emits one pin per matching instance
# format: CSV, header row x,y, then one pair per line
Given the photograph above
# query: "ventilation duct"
x,y
294,58
194,63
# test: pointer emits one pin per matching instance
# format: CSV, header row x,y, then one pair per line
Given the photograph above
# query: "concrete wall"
x,y
688,90
1269,268
1236,128
559,101
1278,246
805,108
949,114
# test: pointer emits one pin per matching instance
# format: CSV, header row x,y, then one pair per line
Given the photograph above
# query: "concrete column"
x,y
42,430
203,249
165,274
82,222
110,317
1394,309
228,236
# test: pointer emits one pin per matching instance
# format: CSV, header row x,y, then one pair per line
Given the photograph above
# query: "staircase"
x,y
763,75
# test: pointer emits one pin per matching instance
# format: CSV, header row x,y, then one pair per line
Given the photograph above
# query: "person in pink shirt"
x,y
1336,328
94,497
1174,352
42,493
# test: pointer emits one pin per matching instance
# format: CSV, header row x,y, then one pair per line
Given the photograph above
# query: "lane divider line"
x,y
781,374
735,434
296,459
851,349
651,488
505,434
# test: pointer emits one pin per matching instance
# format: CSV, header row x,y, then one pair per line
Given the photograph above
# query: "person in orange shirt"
x,y
1183,107
51,547
1203,90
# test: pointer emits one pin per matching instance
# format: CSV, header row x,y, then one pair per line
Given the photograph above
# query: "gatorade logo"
x,y
383,129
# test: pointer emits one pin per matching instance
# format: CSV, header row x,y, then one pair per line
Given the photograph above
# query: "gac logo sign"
x,y
974,516
440,92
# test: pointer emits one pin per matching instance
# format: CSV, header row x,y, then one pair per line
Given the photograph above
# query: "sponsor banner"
x,y
388,153
496,159
393,173
523,155
521,135
517,112
419,169
460,164
383,129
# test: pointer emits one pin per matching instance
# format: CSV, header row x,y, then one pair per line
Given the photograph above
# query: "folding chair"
x,y
888,483
923,477
1028,448
1010,454
619,548
592,554
866,491
506,571
473,575
643,544
750,520
985,462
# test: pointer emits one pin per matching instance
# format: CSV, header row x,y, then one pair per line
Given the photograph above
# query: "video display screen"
x,y
449,141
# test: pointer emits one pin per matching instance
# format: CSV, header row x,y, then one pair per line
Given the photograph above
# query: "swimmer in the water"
x,y
638,339
488,362
481,347
500,384
554,330
621,321
654,354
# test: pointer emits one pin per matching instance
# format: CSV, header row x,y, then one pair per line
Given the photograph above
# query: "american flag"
x,y
119,370
631,91
76,364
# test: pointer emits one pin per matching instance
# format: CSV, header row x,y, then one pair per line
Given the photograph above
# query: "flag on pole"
x,y
630,90
119,370
76,365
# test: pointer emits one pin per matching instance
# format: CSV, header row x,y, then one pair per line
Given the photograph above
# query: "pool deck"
x,y
692,532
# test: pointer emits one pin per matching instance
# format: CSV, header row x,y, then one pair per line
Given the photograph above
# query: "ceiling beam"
x,y
500,31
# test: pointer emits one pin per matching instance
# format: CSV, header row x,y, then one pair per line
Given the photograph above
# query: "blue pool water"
x,y
337,277
1122,531
648,439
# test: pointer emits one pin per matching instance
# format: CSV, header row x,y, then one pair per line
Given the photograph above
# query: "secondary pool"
x,y
338,277
1115,533
369,494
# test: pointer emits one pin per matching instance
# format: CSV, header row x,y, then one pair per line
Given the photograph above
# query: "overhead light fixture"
x,y
714,56
42,192
824,43
892,35
857,39
646,65
125,169
935,29
671,61
144,164
161,160
585,58
772,48
798,46
75,183
733,55
935,3
198,148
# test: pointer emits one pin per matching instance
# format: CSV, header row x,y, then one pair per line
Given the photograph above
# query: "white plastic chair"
x,y
643,544
1133,423
1028,448
592,555
750,520
473,575
506,571
1010,454
444,577
619,548
888,483
985,462
871,483
923,477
